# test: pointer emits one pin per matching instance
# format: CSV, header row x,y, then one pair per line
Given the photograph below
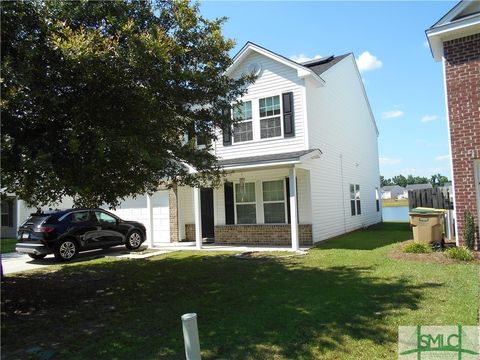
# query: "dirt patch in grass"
x,y
435,257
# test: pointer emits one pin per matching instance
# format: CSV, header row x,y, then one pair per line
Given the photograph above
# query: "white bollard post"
x,y
190,336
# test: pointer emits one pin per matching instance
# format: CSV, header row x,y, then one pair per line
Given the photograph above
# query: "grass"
x,y
394,202
7,245
343,300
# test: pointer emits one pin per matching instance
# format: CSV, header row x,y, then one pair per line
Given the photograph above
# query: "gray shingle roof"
x,y
321,65
390,187
265,159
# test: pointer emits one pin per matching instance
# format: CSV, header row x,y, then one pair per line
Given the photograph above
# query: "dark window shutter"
x,y
229,210
227,132
288,119
287,188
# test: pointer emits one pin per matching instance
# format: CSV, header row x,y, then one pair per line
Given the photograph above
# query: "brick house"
x,y
455,40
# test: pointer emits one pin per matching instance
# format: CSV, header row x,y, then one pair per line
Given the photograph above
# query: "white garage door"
x,y
136,209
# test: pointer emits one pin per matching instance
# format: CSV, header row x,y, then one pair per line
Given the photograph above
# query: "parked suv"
x,y
65,233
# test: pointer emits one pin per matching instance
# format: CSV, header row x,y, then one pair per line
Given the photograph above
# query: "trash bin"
x,y
427,224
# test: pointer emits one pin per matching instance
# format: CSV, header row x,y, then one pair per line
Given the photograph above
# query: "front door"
x,y
207,213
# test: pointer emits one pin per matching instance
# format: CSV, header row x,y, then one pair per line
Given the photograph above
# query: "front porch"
x,y
261,203
192,245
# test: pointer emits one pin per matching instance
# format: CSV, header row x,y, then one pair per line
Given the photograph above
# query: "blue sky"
x,y
403,82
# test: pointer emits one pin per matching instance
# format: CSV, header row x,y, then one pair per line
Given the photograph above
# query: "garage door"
x,y
136,209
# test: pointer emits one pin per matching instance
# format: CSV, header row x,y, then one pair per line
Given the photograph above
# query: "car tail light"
x,y
46,229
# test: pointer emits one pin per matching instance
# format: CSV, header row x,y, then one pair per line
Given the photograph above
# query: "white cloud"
x,y
392,114
428,118
300,58
426,44
389,161
367,62
442,158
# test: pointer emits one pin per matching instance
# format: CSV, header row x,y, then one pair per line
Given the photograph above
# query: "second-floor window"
x,y
243,130
270,120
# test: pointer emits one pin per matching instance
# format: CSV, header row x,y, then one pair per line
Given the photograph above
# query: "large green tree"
x,y
97,97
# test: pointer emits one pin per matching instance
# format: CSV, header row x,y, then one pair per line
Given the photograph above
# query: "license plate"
x,y
25,235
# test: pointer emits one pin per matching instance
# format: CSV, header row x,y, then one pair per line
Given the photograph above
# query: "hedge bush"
x,y
460,253
417,248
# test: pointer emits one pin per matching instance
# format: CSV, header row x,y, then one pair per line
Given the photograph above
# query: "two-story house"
x,y
302,162
455,40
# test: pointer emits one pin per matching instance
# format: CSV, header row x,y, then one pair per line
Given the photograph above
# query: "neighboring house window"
x,y
274,202
377,199
7,213
245,203
355,206
270,124
243,130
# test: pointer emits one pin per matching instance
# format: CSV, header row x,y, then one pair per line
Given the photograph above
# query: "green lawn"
x,y
344,300
7,245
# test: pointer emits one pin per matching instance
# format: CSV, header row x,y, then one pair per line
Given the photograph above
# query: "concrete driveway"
x,y
16,262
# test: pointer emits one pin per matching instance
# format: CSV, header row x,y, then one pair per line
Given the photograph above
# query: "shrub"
x,y
469,230
460,253
417,248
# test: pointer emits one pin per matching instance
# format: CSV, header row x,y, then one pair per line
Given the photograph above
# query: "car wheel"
x,y
134,240
37,256
66,250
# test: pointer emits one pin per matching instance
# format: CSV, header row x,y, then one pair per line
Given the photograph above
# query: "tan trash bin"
x,y
427,226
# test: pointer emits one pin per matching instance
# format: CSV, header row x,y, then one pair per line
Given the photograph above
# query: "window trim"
x,y
276,201
9,213
356,201
244,121
280,116
256,126
245,203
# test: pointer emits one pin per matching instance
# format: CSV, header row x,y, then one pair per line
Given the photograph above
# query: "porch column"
x,y
149,220
292,175
198,217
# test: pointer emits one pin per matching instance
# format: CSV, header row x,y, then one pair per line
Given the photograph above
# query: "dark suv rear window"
x,y
35,220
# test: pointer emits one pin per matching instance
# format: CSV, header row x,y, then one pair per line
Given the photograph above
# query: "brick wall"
x,y
261,235
190,232
173,213
462,71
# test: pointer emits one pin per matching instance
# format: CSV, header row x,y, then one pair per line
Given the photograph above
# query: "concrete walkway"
x,y
16,262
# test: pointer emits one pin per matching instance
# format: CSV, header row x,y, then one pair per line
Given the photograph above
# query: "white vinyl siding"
x,y
341,126
274,80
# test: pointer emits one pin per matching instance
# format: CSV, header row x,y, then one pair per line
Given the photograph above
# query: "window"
x,y
105,218
270,124
243,131
245,203
355,206
274,202
7,213
377,198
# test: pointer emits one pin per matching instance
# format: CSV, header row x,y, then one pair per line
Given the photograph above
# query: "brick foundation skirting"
x,y
255,234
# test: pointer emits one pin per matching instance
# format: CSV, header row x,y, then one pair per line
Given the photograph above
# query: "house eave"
x,y
249,47
437,35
